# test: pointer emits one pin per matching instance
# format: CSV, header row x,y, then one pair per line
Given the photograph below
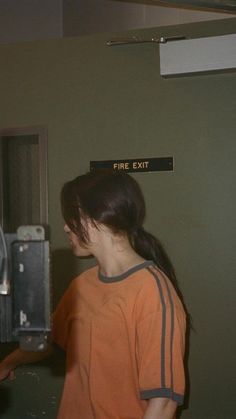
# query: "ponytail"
x,y
150,248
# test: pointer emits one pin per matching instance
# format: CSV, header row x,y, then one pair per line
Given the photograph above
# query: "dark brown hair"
x,y
114,199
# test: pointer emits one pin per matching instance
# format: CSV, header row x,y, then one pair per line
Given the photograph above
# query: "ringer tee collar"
x,y
109,279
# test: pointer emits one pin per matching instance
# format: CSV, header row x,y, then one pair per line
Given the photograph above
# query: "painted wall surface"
x,y
103,103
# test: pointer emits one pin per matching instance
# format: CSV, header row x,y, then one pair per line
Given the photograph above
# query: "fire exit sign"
x,y
156,164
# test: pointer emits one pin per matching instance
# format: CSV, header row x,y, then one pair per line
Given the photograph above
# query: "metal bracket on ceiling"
x,y
135,40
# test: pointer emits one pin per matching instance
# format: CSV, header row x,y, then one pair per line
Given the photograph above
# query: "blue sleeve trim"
x,y
162,392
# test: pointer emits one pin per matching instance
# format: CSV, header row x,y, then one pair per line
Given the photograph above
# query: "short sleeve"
x,y
160,347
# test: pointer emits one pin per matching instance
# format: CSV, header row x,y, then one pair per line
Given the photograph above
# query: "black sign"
x,y
157,164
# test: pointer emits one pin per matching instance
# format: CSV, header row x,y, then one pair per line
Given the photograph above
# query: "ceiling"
x,y
212,5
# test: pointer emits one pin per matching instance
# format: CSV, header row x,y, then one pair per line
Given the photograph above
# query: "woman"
x,y
121,322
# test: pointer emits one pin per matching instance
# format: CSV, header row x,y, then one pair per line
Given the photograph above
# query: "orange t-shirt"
x,y
124,337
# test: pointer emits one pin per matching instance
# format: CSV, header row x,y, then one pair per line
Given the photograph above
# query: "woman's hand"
x,y
20,357
6,372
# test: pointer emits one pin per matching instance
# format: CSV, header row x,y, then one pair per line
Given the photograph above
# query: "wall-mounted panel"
x,y
190,56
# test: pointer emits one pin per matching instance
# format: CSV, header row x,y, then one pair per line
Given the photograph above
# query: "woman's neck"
x,y
115,255
117,266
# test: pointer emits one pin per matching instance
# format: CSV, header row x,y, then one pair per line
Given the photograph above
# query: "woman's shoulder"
x,y
156,289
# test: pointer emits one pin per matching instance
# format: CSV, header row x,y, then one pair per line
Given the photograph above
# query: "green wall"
x,y
103,103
